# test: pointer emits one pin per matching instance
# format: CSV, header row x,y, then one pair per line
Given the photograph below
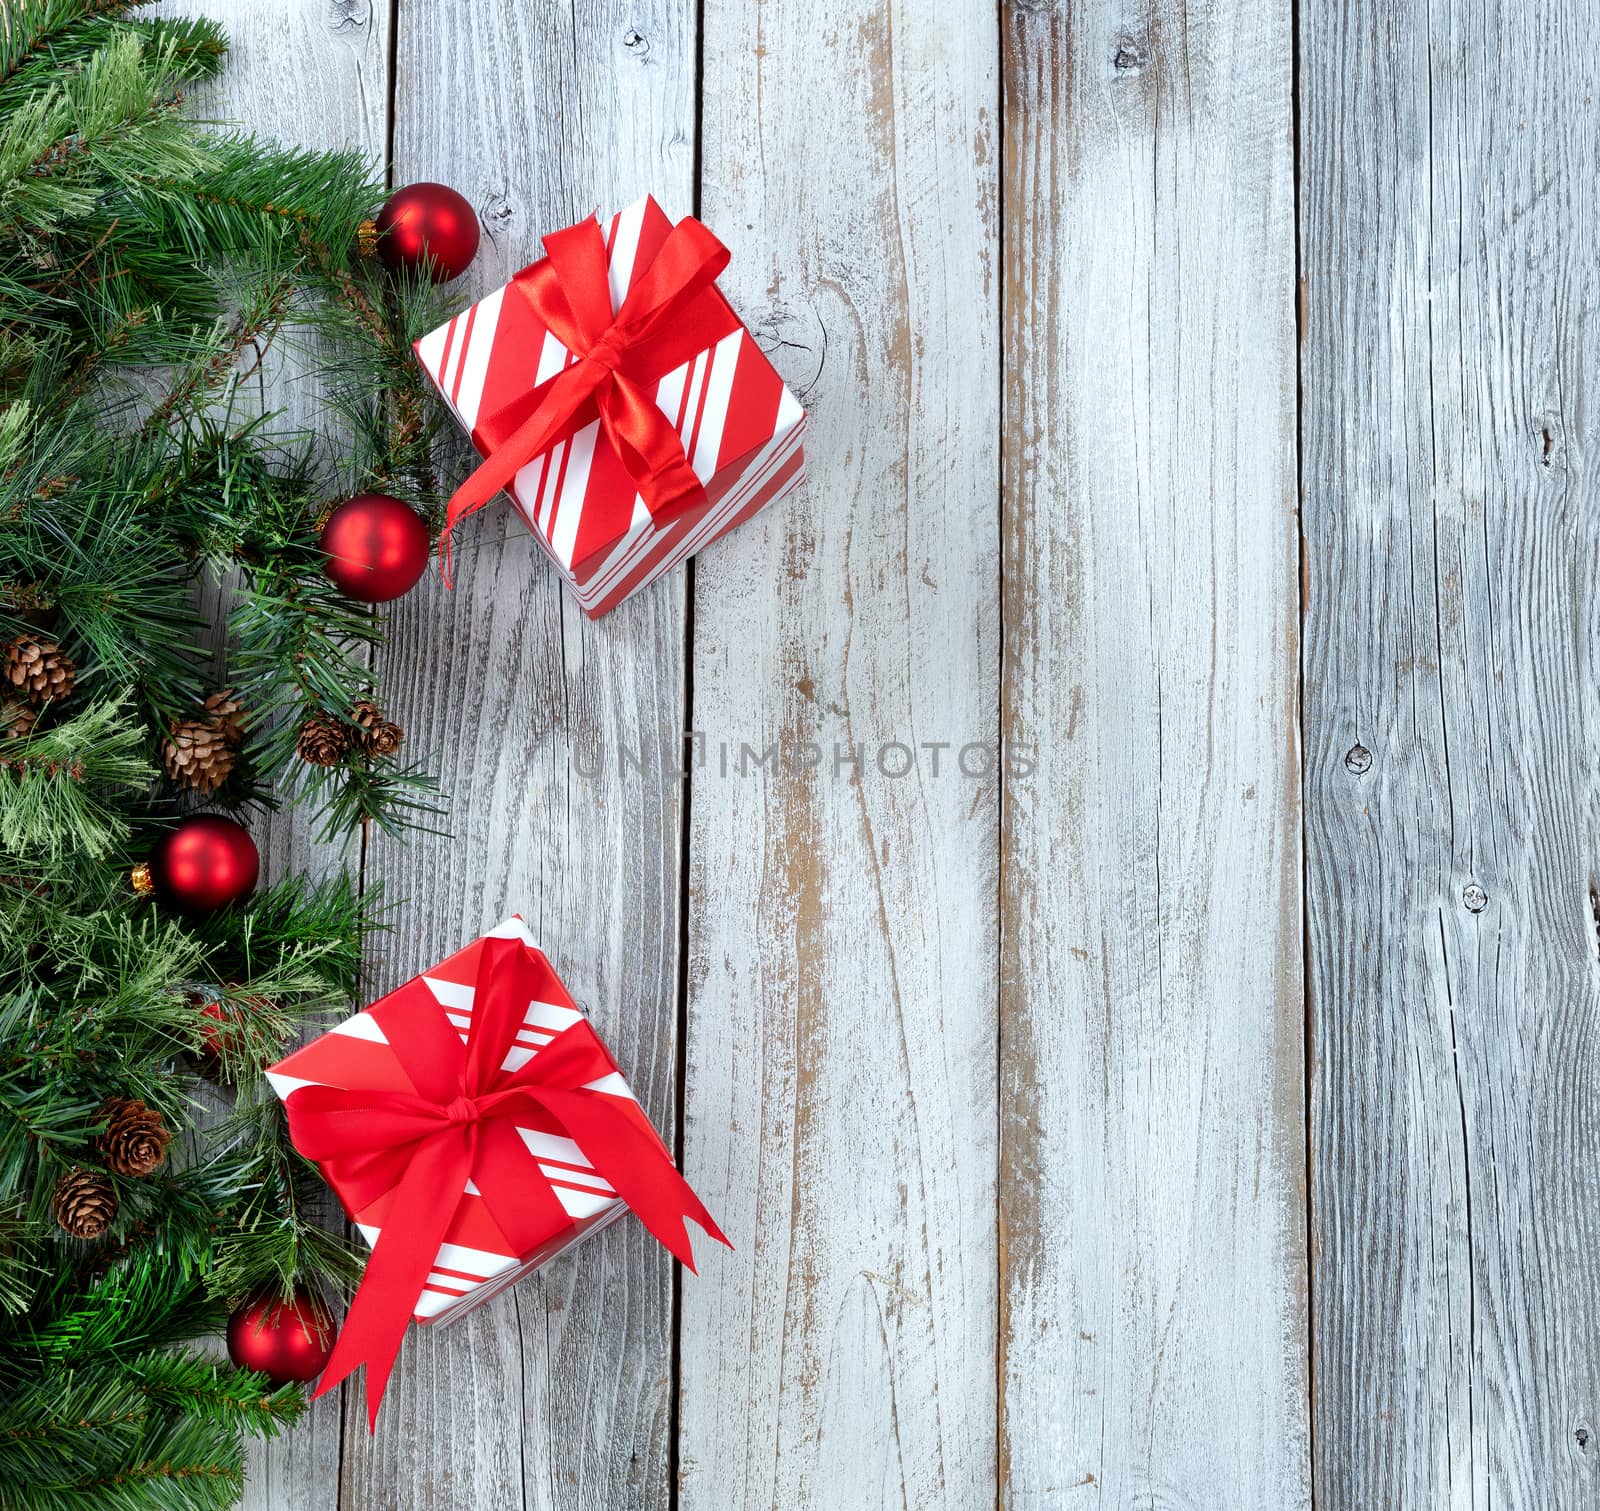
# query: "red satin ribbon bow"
x,y
671,313
462,1124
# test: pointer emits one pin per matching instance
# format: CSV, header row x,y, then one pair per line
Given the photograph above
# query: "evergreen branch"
x,y
379,793
61,785
182,1462
204,1388
116,117
147,267
253,328
35,28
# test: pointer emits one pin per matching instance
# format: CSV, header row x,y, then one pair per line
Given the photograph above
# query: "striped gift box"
x,y
475,1261
742,431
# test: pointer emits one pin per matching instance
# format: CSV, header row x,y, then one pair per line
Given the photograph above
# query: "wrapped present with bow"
x,y
616,396
474,1126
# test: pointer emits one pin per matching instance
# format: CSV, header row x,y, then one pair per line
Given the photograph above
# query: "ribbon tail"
x,y
406,1251
651,450
632,1160
537,433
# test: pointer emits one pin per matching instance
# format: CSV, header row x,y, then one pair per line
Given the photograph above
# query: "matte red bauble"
x,y
428,229
285,1340
376,547
205,863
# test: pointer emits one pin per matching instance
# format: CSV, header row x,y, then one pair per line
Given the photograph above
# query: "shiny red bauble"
x,y
285,1340
212,1030
217,1033
375,547
205,863
428,229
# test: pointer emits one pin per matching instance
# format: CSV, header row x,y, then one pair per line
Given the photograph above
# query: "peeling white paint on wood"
x,y
1152,1154
839,1096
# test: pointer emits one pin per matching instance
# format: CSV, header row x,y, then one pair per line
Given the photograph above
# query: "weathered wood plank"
x,y
317,75
1449,222
558,1394
840,1066
1152,1201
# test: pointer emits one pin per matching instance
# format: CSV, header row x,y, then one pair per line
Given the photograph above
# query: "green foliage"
x,y
150,266
64,787
99,1408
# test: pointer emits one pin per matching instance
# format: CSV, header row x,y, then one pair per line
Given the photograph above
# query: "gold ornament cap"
x,y
141,880
367,237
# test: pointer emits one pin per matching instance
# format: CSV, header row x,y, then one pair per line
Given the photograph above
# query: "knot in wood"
x,y
349,15
1132,56
1475,898
497,212
1358,759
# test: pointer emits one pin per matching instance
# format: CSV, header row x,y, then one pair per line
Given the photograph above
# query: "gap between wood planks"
x,y
1308,1040
685,800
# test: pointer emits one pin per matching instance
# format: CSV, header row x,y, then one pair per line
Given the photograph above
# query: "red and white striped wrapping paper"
x,y
742,431
474,1261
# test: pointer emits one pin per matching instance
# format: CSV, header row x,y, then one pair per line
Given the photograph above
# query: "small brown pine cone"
x,y
228,714
365,715
16,719
84,1203
38,668
322,741
198,754
135,1141
375,735
385,739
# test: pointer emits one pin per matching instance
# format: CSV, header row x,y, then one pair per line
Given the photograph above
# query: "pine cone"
x,y
135,1141
197,754
38,668
322,741
228,713
375,735
84,1203
16,719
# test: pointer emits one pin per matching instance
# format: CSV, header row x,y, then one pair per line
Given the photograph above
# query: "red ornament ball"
x,y
376,547
217,1033
285,1340
205,863
213,1030
428,229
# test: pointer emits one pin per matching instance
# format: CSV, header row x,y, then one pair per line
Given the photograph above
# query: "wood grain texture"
x,y
840,1066
1449,221
556,1395
314,74
1152,1201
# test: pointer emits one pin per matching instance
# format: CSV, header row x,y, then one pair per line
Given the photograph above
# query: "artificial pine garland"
x,y
146,263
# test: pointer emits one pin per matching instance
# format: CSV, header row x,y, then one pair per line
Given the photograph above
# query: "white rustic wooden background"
x,y
1200,397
